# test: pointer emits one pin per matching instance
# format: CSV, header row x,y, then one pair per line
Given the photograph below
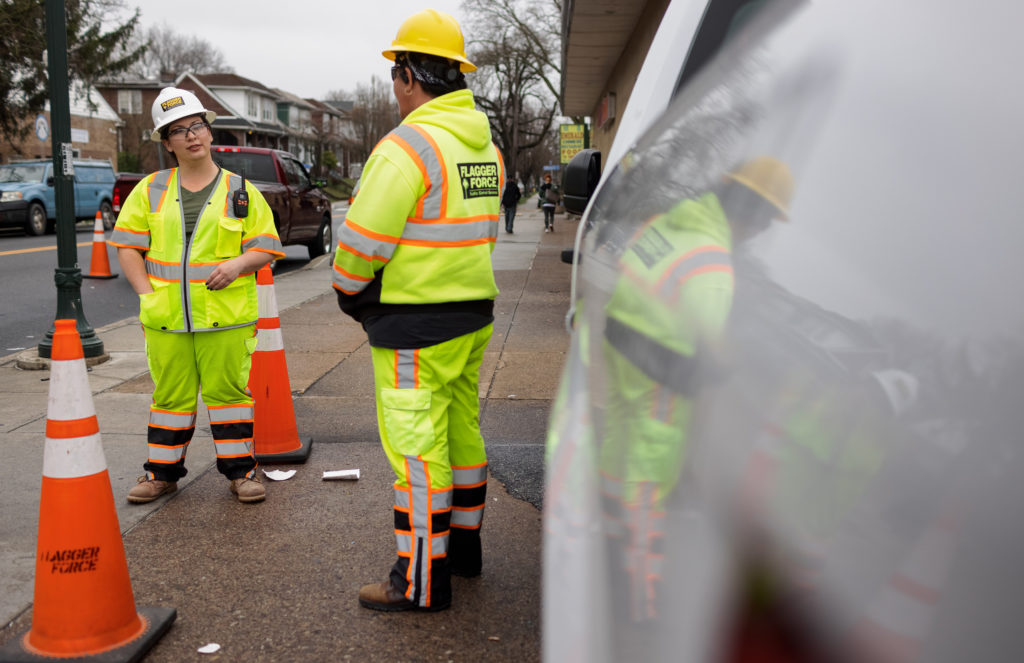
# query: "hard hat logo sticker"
x,y
172,103
72,560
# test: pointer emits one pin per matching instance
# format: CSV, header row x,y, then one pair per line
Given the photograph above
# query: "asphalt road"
x,y
28,299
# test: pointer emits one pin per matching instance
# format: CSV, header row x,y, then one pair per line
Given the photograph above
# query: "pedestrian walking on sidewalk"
x,y
547,198
509,200
413,265
190,240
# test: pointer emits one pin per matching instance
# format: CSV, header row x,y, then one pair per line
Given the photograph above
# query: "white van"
x,y
799,439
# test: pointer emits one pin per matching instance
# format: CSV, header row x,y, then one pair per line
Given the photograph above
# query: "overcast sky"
x,y
306,47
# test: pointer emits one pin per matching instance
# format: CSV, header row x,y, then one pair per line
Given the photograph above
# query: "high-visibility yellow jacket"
x,y
420,231
675,292
151,220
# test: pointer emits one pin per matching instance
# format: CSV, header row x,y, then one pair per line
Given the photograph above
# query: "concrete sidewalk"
x,y
277,581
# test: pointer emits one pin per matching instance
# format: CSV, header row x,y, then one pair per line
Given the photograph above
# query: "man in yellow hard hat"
x,y
413,265
665,317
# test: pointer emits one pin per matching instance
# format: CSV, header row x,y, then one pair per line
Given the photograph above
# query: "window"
x,y
268,110
252,103
129,102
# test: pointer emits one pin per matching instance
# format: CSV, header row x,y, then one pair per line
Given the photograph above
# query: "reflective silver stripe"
x,y
450,232
241,448
469,476
263,242
234,183
269,340
439,545
442,501
419,519
471,519
200,272
224,414
403,542
434,196
172,420
163,272
157,189
405,367
402,499
129,239
369,247
220,328
661,409
173,272
419,522
714,256
348,284
162,454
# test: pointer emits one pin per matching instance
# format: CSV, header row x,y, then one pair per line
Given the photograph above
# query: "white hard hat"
x,y
173,104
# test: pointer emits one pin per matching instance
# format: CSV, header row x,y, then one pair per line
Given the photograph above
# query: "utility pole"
x,y
67,276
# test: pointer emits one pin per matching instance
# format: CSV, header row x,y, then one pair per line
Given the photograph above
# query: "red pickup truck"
x,y
302,212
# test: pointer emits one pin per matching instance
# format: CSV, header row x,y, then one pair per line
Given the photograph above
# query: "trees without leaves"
x,y
514,44
171,52
374,114
94,52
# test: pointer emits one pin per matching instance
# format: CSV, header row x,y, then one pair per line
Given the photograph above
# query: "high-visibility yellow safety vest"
x,y
151,220
425,217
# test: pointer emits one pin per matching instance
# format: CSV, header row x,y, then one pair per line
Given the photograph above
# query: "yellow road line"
x,y
41,248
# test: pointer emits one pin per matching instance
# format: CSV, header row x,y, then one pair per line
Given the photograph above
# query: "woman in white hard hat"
x,y
190,240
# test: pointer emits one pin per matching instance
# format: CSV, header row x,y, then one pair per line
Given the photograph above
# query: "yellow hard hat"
x,y
769,178
433,33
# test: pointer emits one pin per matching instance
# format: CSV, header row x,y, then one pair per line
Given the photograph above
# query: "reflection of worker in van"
x,y
665,315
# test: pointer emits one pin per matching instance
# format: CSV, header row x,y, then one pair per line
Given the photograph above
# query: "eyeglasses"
x,y
396,70
196,128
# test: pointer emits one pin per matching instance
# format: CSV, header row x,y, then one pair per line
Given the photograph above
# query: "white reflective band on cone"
x,y
73,457
266,301
269,340
70,396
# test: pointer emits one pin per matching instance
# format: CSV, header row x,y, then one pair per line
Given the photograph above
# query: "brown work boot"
x,y
383,596
248,489
147,490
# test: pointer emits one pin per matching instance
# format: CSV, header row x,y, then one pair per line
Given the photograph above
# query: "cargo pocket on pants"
x,y
406,416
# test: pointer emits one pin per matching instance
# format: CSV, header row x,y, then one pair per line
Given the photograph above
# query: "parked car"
x,y
27,195
819,457
302,212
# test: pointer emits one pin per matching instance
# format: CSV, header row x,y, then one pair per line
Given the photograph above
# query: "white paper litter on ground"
x,y
280,475
210,648
343,475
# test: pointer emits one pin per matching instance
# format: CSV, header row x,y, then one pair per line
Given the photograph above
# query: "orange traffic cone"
x,y
83,607
275,438
99,268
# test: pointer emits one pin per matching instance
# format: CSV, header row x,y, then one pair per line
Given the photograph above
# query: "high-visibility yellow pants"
x,y
179,363
428,412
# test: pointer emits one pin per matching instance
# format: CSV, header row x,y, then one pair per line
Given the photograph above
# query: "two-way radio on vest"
x,y
240,200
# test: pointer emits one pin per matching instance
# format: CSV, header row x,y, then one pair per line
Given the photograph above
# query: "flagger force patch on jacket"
x,y
479,180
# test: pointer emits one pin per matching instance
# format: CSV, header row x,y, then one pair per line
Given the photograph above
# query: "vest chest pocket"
x,y
229,238
157,232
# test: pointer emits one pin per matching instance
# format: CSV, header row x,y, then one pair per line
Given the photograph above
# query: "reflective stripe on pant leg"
x,y
168,436
412,403
466,444
224,358
172,416
422,519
